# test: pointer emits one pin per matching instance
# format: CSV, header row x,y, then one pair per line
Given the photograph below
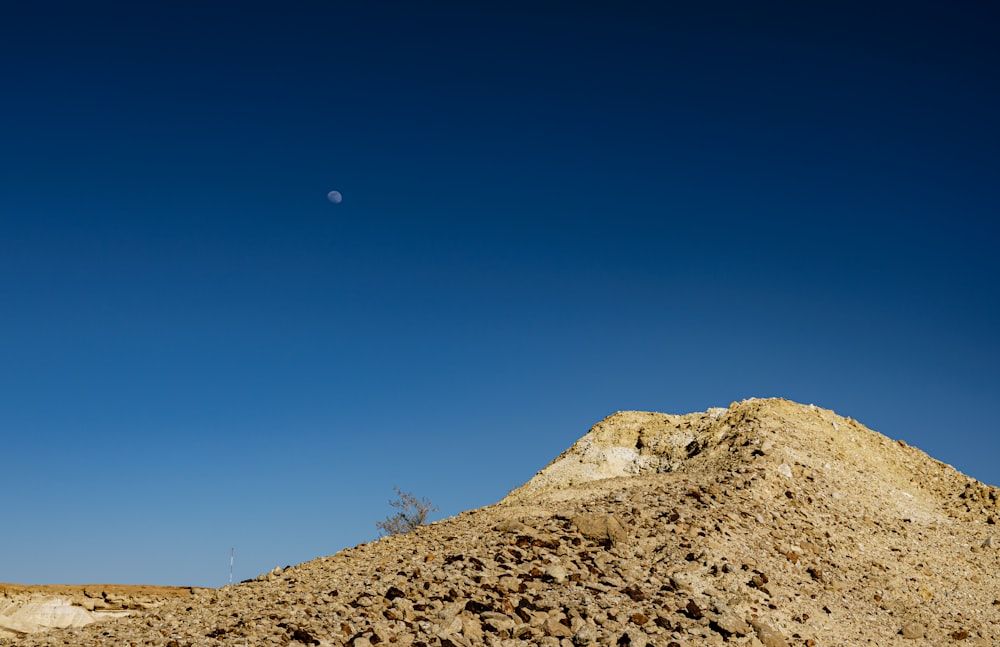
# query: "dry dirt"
x,y
766,523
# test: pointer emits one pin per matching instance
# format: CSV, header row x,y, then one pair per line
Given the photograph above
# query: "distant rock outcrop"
x,y
32,609
765,523
45,613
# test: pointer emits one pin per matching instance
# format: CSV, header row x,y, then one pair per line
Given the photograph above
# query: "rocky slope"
x,y
767,523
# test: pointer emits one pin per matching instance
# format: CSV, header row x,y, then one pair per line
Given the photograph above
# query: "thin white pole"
x,y
232,553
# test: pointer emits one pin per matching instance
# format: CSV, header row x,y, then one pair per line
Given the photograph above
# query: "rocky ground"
x,y
31,609
767,523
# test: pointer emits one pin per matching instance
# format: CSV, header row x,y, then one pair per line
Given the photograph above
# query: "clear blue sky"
x,y
552,211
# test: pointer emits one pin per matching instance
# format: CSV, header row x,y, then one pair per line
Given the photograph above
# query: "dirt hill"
x,y
767,523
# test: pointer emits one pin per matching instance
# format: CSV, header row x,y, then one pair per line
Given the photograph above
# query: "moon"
x,y
334,197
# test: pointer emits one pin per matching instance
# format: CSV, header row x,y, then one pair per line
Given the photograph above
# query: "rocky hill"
x,y
766,523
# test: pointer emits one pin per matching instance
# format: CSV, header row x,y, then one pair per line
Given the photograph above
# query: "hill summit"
x,y
765,523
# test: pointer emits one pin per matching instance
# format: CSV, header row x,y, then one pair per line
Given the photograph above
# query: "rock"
x,y
693,610
730,623
453,640
472,629
768,636
510,525
683,582
88,604
510,583
632,638
554,627
913,630
497,622
556,573
451,625
586,635
304,637
44,614
602,528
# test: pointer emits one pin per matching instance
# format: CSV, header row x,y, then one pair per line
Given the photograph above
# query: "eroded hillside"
x,y
768,522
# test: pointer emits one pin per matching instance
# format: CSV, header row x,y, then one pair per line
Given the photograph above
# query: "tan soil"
x,y
766,523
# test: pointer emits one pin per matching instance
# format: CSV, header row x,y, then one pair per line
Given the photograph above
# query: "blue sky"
x,y
552,211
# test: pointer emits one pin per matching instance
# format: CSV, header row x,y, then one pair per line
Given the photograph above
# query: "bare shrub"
x,y
412,513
